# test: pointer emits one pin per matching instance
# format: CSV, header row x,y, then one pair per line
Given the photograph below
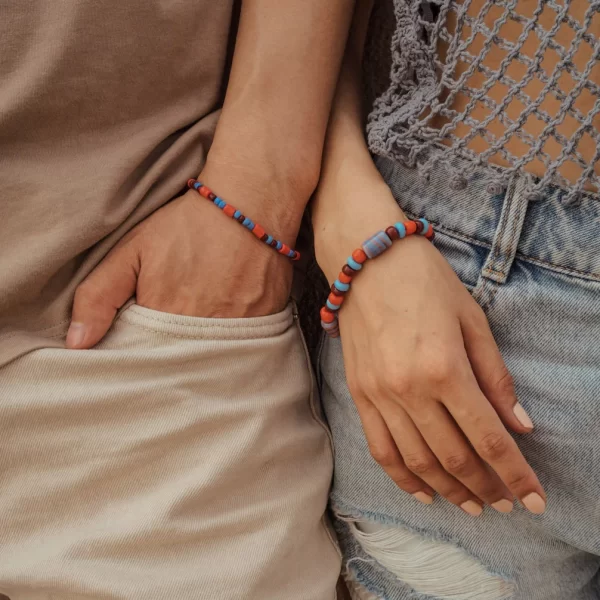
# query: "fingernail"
x,y
503,506
472,508
522,416
76,334
534,503
423,497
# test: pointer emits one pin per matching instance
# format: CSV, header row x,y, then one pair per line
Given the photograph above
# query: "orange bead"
x,y
359,256
285,249
337,300
344,278
411,227
229,210
327,316
429,233
204,191
258,231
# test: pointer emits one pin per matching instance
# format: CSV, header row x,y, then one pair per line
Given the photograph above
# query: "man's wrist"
x,y
270,193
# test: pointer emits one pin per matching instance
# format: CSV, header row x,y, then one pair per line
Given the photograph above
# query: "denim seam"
x,y
524,257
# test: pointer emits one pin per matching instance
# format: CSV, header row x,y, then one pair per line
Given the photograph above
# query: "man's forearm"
x,y
285,68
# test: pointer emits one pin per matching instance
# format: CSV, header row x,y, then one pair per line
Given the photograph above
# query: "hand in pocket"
x,y
187,259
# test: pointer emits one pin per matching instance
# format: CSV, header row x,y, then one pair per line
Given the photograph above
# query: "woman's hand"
x,y
433,393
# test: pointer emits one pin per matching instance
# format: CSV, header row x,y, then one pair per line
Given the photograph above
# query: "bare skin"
x,y
433,393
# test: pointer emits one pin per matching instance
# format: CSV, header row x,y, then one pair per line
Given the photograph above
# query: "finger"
x,y
421,461
383,449
491,373
100,295
458,458
480,423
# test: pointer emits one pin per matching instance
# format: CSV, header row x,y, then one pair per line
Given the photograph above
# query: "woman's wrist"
x,y
346,213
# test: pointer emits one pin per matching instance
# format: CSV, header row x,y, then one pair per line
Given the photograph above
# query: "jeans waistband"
x,y
513,225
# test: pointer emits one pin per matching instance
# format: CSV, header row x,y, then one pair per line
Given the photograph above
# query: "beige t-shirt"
x,y
107,107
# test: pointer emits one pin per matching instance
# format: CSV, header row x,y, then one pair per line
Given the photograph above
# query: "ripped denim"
x,y
534,267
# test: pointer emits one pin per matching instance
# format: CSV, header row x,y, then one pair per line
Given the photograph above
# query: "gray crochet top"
x,y
422,85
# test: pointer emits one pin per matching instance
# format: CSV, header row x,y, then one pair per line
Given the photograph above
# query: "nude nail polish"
x,y
522,416
503,506
423,497
472,508
534,503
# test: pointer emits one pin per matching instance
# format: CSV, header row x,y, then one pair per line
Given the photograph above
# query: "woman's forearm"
x,y
271,132
352,200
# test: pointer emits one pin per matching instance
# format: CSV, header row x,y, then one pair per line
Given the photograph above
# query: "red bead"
x,y
296,255
327,315
359,256
392,233
344,278
241,218
337,300
229,210
410,226
191,183
420,226
336,292
349,271
211,196
258,231
430,235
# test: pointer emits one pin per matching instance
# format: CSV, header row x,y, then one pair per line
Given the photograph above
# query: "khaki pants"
x,y
180,459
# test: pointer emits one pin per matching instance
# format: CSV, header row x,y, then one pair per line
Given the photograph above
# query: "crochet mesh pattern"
x,y
439,52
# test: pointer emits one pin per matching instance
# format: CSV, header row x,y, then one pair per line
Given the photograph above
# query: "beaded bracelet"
x,y
371,248
234,213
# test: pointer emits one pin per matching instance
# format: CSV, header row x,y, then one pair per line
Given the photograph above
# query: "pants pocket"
x,y
178,459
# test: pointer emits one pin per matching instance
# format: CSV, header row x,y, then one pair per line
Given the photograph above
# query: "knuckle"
x,y
517,479
493,446
505,383
419,464
458,464
385,456
396,379
439,370
404,482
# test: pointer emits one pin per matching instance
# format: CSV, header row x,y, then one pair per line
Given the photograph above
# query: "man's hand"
x,y
188,259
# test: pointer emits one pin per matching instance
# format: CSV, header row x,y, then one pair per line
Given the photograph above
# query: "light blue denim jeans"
x,y
534,267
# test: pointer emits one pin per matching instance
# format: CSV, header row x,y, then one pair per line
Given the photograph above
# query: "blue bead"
x,y
329,326
247,223
279,246
425,226
220,203
343,287
197,185
237,214
269,239
401,229
353,264
332,306
291,253
377,244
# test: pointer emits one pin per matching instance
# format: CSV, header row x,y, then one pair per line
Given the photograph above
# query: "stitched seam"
x,y
525,257
193,337
7,336
169,321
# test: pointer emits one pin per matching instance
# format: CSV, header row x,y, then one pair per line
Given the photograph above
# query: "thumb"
x,y
100,295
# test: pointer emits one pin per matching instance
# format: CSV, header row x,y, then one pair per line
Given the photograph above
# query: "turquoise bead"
x,y
343,287
353,264
401,229
332,306
426,226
